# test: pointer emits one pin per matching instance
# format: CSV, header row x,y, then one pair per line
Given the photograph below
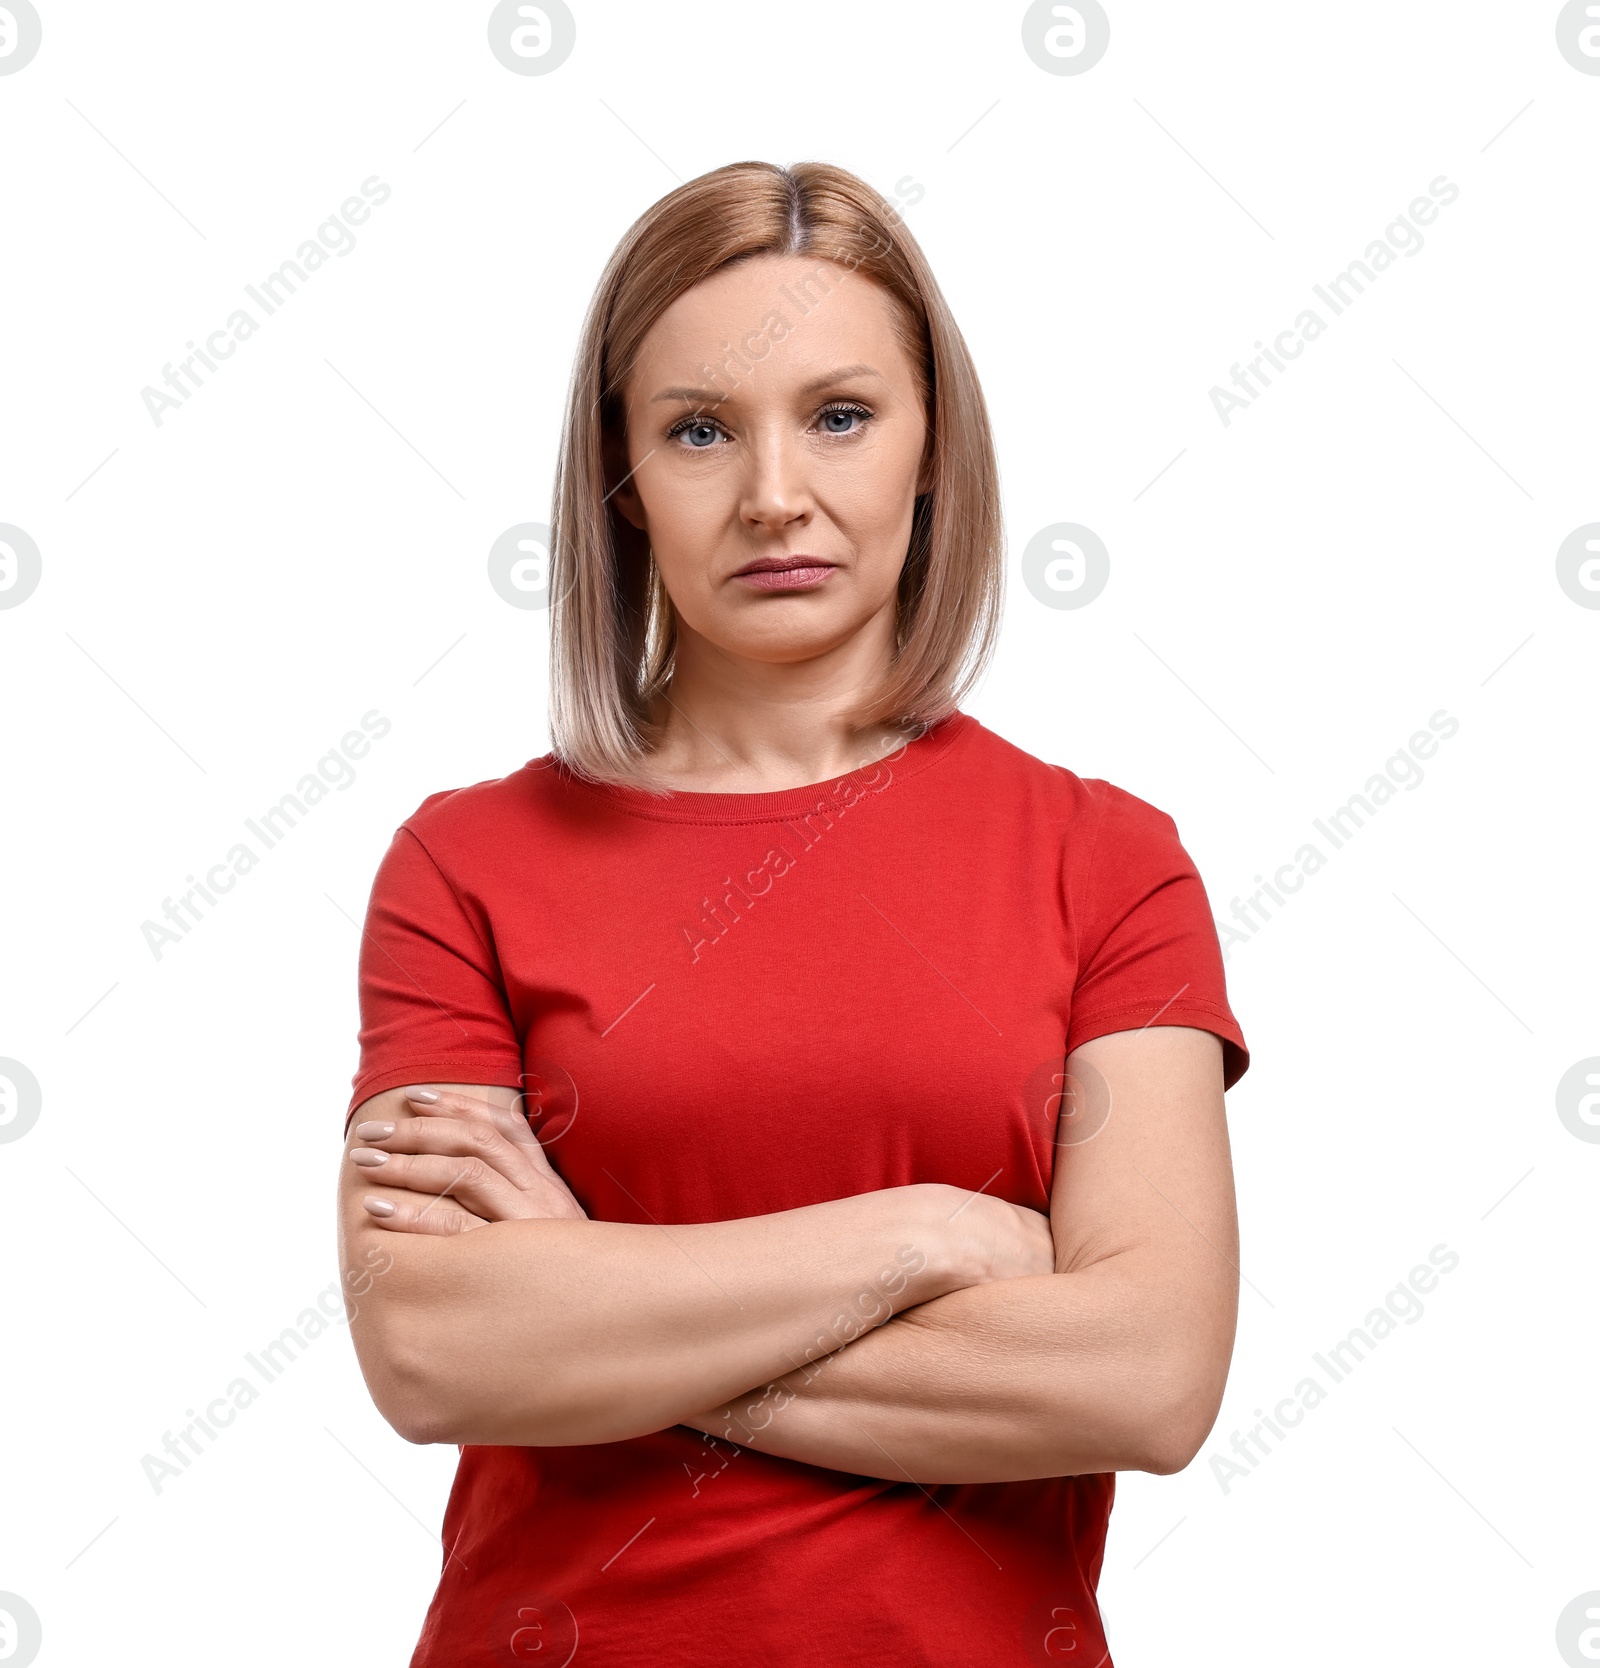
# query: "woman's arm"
x,y
1115,1362
554,1329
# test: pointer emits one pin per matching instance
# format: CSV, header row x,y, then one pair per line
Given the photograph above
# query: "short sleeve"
x,y
1148,952
433,1008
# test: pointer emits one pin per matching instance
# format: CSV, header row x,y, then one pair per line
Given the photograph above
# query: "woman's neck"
x,y
760,745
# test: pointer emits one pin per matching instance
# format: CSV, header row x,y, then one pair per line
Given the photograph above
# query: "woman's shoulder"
x,y
1081,798
481,807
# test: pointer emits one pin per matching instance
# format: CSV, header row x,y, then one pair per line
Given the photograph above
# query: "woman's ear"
x,y
614,454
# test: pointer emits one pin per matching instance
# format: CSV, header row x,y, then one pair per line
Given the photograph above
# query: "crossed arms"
x,y
918,1333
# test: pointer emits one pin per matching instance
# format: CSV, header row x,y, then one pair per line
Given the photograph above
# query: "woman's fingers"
x,y
451,1103
472,1182
463,1164
452,1137
418,1213
539,1177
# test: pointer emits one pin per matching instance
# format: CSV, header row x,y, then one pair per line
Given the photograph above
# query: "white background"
x,y
225,594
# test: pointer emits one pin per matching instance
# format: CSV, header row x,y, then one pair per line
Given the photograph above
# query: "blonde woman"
x,y
789,1116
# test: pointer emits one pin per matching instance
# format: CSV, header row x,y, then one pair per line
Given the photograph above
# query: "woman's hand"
x,y
457,1164
996,1240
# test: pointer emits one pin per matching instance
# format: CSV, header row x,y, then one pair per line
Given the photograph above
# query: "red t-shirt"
x,y
728,1004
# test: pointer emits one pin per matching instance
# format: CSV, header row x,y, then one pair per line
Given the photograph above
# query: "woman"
x,y
789,1117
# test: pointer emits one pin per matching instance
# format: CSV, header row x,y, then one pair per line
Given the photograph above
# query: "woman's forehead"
x,y
800,318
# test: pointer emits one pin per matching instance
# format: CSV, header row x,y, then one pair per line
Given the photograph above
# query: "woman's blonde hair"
x,y
612,625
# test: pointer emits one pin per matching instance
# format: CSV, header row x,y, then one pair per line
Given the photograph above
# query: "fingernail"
x,y
367,1157
374,1132
379,1207
422,1097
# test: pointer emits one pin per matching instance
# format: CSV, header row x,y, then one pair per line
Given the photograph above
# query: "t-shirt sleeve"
x,y
433,1006
1148,952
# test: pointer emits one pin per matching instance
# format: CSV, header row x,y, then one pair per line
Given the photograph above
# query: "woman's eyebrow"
x,y
695,396
843,374
716,396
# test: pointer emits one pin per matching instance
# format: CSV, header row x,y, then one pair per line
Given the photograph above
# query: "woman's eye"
x,y
699,435
841,420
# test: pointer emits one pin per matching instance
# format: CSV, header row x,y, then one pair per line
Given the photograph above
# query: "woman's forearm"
x,y
1115,1361
1049,1375
552,1332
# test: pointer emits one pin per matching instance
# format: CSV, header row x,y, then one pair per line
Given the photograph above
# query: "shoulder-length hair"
x,y
613,631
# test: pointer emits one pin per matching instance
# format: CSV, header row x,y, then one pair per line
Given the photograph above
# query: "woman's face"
x,y
774,418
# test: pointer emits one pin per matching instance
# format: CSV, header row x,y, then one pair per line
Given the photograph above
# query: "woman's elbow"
x,y
408,1372
402,1333
419,1424
430,1391
1169,1451
411,1398
417,1414
1179,1424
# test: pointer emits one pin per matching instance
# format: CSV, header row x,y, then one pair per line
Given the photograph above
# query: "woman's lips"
x,y
786,579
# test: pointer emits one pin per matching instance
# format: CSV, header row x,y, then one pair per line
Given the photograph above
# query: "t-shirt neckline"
x,y
686,805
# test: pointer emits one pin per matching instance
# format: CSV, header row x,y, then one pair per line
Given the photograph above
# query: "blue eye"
x,y
699,435
842,419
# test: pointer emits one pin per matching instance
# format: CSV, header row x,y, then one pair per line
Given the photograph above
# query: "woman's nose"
x,y
776,491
